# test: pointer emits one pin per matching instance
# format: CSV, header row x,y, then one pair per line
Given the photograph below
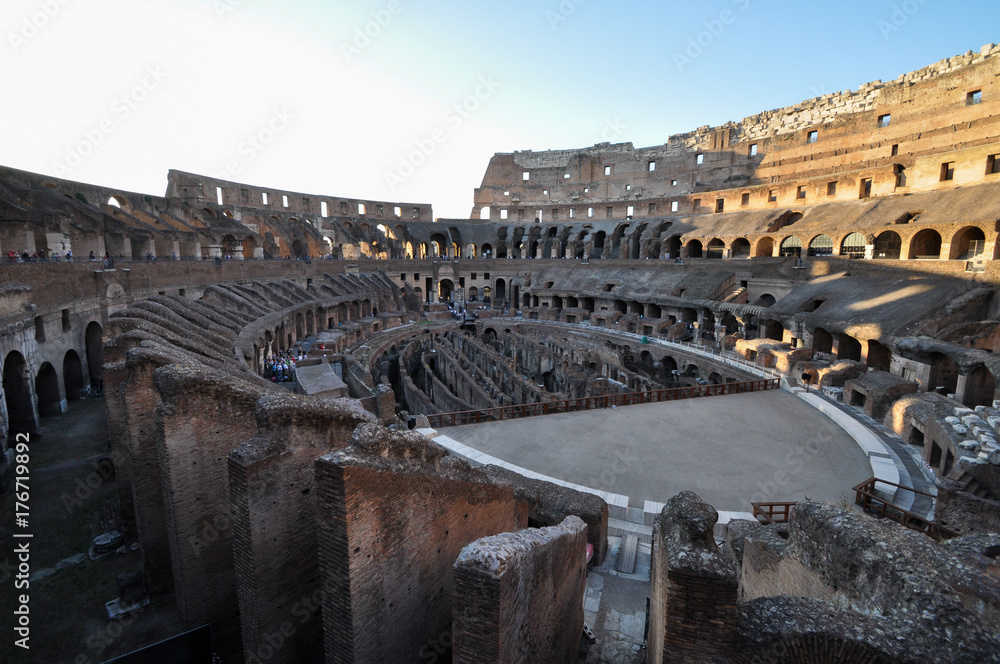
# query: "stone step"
x,y
621,528
625,563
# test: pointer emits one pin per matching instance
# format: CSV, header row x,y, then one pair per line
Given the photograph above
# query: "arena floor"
x,y
731,450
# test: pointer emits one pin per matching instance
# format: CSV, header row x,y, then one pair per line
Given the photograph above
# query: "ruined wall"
x,y
694,588
394,512
518,597
200,420
272,494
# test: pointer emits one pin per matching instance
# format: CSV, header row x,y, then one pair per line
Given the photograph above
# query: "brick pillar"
x,y
201,418
519,596
272,497
693,587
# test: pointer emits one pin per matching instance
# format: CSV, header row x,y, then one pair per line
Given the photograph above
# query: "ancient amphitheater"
x,y
799,307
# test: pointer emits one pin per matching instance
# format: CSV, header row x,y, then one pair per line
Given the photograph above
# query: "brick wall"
x,y
272,494
519,596
394,513
693,594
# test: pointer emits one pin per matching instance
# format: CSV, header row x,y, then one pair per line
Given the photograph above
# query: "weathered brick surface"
x,y
693,594
519,596
394,512
272,494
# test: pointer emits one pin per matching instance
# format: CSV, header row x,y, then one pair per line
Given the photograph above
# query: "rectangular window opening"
x,y
800,192
590,212
993,164
572,213
397,211
745,199
974,97
361,208
720,205
772,196
66,325
263,198
503,214
884,120
611,211
218,195
947,171
700,159
866,188
324,209
753,149
812,136
343,207
607,170
674,206
831,188
284,201
652,208
525,176
652,166
39,329
565,176
895,150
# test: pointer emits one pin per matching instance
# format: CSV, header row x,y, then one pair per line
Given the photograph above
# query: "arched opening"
x,y
822,341
229,245
772,329
741,248
445,288
673,246
765,300
668,369
300,326
501,290
791,246
980,387
968,244
926,245
470,250
73,375
118,202
598,244
486,250
849,348
765,248
484,212
473,294
17,394
716,249
249,247
879,355
47,391
298,249
821,245
694,249
715,378
853,246
310,324
439,245
95,354
943,375
888,246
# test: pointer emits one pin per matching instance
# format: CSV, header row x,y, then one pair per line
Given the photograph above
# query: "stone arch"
x,y
821,245
73,375
849,348
943,374
501,290
716,248
879,355
47,391
445,289
17,394
486,250
249,247
693,249
673,246
791,246
95,353
853,245
310,324
740,248
980,387
765,247
888,246
967,244
926,244
822,341
598,249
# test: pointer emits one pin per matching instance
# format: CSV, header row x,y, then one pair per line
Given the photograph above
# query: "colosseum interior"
x,y
753,368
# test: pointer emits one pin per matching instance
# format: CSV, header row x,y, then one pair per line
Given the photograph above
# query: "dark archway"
x,y
879,355
501,290
849,348
887,246
926,245
17,393
47,391
968,244
716,249
73,375
694,249
445,289
95,354
765,248
741,248
980,387
822,341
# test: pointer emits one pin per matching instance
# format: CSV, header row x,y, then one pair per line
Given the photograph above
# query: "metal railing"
x,y
871,502
773,512
589,403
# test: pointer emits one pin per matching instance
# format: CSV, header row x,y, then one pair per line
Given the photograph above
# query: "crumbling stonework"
x,y
394,512
519,596
693,594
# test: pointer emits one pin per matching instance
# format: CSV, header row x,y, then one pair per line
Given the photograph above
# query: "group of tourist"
x,y
38,256
281,367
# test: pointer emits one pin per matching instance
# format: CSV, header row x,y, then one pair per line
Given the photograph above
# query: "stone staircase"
x,y
969,484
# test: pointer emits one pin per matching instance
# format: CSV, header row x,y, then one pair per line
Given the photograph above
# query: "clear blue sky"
x,y
296,95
